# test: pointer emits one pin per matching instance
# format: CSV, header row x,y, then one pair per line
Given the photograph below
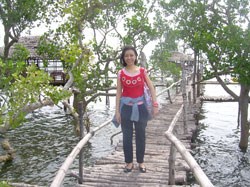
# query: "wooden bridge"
x,y
108,171
167,156
171,130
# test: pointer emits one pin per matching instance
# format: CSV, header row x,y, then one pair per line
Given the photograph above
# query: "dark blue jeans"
x,y
127,130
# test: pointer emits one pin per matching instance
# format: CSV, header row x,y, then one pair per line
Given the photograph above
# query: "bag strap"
x,y
143,75
121,74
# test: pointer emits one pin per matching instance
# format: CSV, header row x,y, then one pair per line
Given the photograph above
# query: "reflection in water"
x,y
217,151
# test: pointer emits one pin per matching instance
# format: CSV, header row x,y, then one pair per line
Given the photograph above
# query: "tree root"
x,y
8,156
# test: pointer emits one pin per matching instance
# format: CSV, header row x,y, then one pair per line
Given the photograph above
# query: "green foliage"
x,y
218,29
18,16
112,24
106,20
21,13
48,48
20,53
24,89
4,184
162,52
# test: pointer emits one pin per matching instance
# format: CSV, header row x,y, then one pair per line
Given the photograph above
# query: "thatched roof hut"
x,y
29,42
178,57
54,66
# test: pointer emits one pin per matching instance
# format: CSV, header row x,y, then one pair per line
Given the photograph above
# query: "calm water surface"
x,y
46,139
218,138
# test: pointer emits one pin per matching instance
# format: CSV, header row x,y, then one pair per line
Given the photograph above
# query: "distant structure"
x,y
143,59
54,67
178,58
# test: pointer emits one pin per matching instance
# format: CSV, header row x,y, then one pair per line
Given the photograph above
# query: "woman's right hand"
x,y
118,117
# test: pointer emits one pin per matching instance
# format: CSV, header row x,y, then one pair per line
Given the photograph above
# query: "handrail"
x,y
200,176
69,160
168,88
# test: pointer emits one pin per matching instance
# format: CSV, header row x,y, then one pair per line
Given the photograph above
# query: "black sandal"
x,y
126,169
142,169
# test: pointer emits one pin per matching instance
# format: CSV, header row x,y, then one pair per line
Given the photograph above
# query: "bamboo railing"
x,y
200,176
69,160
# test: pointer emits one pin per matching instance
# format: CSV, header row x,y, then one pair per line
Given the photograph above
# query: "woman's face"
x,y
129,57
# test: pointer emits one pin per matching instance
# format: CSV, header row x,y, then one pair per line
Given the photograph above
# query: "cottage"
x,y
54,67
178,57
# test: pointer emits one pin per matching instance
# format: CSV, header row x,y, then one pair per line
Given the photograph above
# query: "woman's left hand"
x,y
155,111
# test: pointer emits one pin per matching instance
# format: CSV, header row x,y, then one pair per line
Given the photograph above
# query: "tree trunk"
x,y
75,103
243,102
86,120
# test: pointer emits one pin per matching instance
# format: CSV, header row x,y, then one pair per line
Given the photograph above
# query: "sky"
x,y
42,29
34,32
38,31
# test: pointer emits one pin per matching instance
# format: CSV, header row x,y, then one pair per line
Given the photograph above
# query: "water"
x,y
218,152
39,145
47,138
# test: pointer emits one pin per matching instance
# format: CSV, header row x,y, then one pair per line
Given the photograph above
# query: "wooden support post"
x,y
194,77
176,89
184,96
107,97
169,95
189,98
172,158
198,74
201,75
80,180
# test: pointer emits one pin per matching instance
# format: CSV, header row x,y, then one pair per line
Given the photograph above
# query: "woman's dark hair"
x,y
126,48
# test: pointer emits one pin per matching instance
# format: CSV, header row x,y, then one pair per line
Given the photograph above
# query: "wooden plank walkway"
x,y
108,171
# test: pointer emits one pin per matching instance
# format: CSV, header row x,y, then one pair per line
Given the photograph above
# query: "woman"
x,y
130,106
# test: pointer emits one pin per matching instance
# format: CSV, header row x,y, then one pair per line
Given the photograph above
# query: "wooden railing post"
x,y
80,180
184,96
172,158
176,89
194,77
169,95
189,99
107,97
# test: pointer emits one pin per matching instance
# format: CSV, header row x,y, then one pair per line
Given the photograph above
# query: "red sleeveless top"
x,y
132,84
